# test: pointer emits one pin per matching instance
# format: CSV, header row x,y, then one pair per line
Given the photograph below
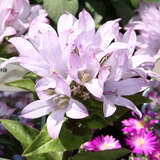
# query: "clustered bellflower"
x,y
102,61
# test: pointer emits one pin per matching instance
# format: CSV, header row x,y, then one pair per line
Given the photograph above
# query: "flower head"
x,y
143,143
102,143
55,98
132,126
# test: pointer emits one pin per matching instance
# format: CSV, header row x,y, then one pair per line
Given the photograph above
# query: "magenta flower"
x,y
133,126
17,15
57,101
143,143
102,143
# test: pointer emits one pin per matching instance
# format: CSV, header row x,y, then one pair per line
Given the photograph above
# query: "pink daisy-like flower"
x,y
144,143
132,125
102,143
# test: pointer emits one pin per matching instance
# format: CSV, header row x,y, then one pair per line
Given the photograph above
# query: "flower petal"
x,y
76,110
42,85
62,87
36,109
121,101
108,107
29,57
131,86
94,87
86,22
63,25
105,33
54,123
10,60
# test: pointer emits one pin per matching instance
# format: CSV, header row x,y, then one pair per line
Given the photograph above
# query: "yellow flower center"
x,y
140,142
139,125
106,146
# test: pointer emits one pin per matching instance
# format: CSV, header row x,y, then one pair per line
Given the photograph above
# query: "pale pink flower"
x,y
92,45
57,101
147,23
17,15
131,63
115,90
42,46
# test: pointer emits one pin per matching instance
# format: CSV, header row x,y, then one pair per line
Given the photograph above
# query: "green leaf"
x,y
97,121
84,132
58,7
97,9
123,10
102,155
138,99
46,156
24,83
54,156
26,135
135,3
30,75
43,143
67,137
50,146
36,1
21,132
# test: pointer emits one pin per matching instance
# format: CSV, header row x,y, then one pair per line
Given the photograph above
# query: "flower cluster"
x,y
143,134
147,22
101,143
142,141
103,61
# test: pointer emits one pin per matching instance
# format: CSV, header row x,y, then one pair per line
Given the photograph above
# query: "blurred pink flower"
x,y
133,126
5,111
147,22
